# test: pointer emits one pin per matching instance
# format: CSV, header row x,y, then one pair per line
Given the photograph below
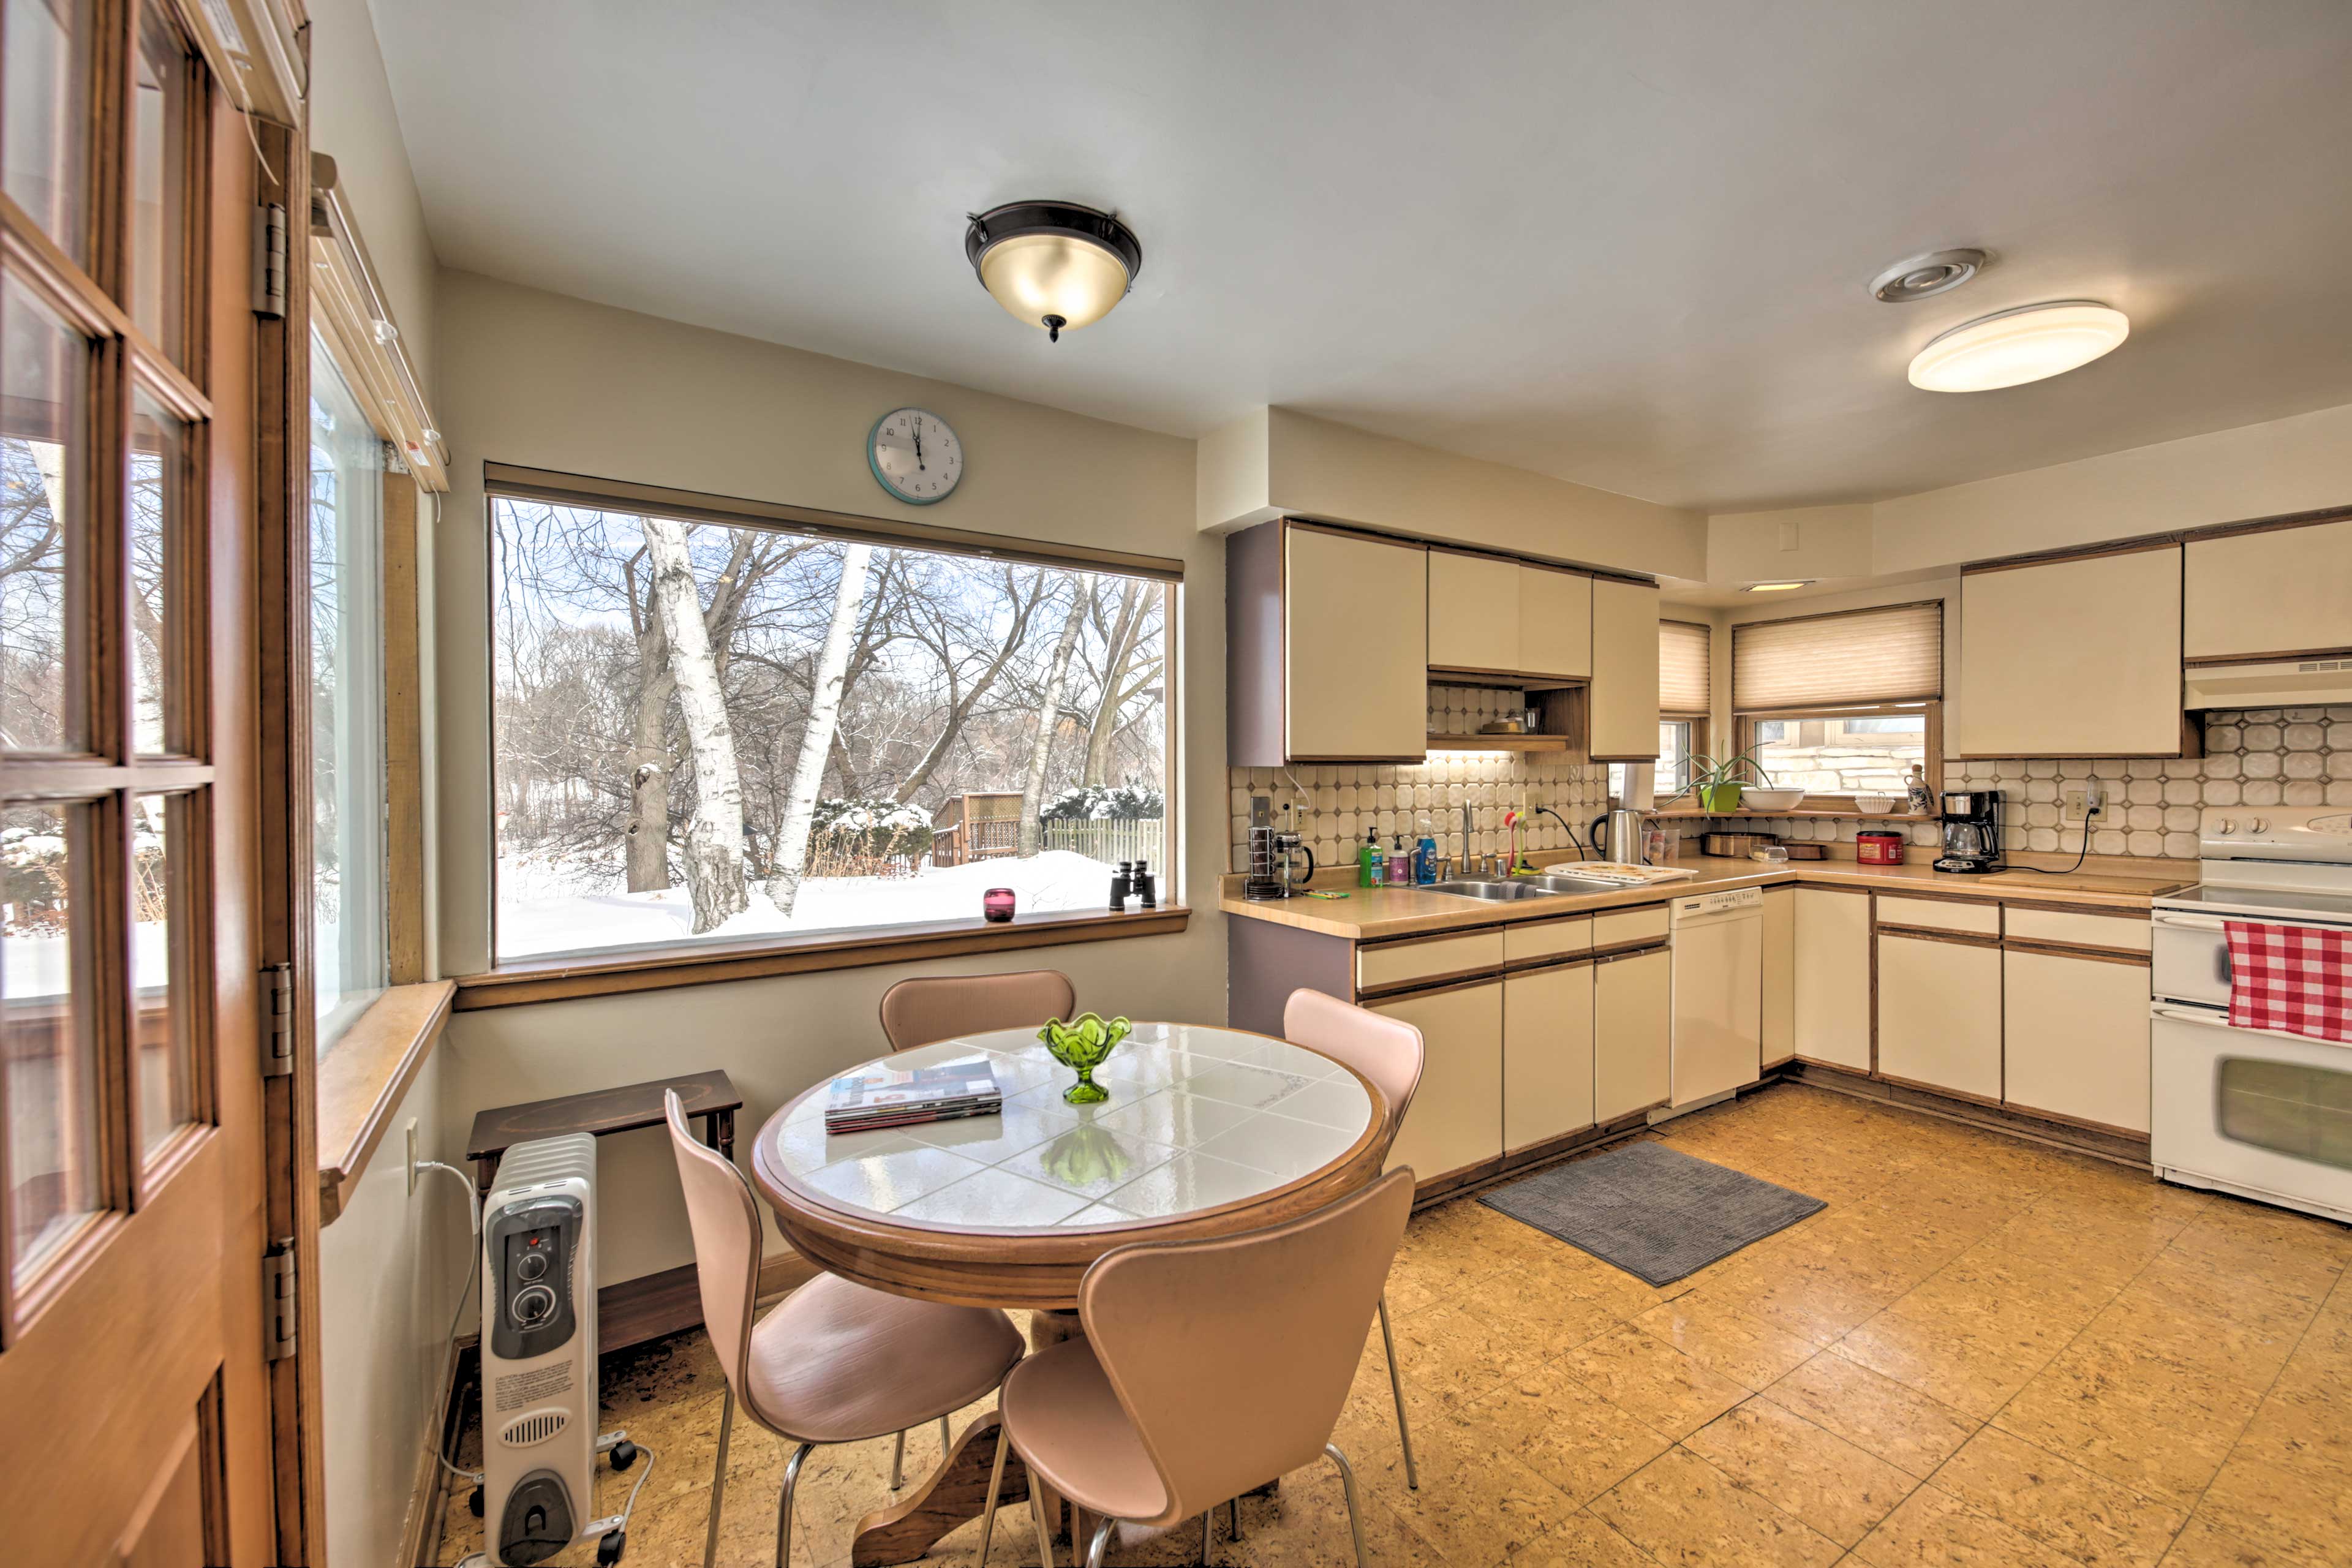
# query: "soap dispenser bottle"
x,y
1369,866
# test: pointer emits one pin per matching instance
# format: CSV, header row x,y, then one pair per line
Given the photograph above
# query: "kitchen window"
x,y
712,731
1685,694
1843,704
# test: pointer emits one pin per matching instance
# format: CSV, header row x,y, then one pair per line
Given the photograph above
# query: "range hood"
x,y
2281,683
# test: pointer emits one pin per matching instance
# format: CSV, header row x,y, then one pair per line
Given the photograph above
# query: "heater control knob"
x,y
533,1304
531,1265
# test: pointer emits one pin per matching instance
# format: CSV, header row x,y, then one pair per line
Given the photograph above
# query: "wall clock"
x,y
915,456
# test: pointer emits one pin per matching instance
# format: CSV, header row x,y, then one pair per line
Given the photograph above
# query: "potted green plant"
x,y
1717,784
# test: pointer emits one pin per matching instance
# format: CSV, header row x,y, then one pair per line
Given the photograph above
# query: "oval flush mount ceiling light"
x,y
1055,265
2010,348
1933,272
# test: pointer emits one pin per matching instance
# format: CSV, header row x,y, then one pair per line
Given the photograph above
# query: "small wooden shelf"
x,y
1691,811
1499,742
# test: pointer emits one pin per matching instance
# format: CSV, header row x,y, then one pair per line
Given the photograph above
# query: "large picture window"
x,y
1843,704
714,731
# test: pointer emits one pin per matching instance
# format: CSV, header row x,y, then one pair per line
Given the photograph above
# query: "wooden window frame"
x,y
1701,742
1932,708
614,970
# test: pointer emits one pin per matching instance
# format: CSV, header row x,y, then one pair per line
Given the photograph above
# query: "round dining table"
x,y
1208,1131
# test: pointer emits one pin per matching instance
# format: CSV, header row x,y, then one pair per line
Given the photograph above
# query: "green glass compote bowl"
x,y
1082,1045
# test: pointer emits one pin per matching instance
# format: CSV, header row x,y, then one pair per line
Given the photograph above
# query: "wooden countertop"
x,y
1372,912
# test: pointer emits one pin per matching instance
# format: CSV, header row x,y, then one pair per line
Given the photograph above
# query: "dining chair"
x,y
834,1361
937,1008
1389,1051
1208,1369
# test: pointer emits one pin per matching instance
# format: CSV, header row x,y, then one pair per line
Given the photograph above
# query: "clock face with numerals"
x,y
915,456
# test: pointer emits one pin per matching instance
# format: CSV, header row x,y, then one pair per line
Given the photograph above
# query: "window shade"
x,y
1894,655
1685,654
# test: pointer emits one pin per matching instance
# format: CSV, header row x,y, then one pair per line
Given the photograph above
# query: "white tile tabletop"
x,y
1198,1117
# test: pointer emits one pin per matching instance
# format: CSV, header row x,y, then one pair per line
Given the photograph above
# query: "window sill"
x,y
362,1081
531,979
1848,812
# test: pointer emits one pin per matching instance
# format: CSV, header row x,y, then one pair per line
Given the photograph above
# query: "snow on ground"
x,y
541,909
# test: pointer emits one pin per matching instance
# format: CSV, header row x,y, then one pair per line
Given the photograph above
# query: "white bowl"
x,y
1878,805
1771,799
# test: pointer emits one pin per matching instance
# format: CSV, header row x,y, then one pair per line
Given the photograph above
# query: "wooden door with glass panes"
x,y
133,1383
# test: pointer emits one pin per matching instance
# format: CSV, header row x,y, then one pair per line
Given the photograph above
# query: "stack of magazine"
x,y
882,1095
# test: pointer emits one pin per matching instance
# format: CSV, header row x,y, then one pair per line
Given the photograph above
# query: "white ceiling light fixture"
x,y
2010,348
1055,265
1779,587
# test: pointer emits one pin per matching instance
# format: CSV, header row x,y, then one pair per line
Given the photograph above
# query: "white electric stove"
x,y
2264,1114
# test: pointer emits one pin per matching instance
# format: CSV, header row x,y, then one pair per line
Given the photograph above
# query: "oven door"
x,y
2263,1114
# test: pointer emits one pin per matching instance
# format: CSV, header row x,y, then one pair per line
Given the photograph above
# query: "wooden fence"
x,y
1110,838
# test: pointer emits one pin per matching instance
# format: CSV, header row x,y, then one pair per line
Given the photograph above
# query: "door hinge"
x,y
281,1299
277,1021
269,261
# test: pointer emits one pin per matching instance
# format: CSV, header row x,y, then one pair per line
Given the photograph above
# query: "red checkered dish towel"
x,y
2295,979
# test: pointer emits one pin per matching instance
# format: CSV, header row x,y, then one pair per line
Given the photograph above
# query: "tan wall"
x,y
547,382
1306,467
1824,542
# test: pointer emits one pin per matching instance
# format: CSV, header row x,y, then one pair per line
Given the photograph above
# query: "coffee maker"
x,y
1971,831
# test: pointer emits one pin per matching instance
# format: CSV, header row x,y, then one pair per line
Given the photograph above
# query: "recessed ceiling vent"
x,y
1917,277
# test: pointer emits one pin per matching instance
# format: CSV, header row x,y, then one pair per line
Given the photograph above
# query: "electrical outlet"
x,y
411,1139
2080,802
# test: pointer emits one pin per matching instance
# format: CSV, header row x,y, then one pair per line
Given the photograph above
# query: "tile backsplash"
x,y
2263,756
2268,756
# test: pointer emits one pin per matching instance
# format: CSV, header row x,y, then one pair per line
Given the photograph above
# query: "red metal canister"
x,y
1878,848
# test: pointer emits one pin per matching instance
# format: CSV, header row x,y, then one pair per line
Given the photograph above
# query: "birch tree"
x,y
1049,716
1123,641
714,839
816,737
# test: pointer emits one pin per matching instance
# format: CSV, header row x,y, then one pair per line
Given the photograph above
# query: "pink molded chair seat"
x,y
1076,1438
837,1362
940,1008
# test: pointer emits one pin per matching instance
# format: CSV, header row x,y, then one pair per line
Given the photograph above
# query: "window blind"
x,y
1685,653
1891,655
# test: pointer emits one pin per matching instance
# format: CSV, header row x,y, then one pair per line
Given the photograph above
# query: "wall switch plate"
x,y
410,1136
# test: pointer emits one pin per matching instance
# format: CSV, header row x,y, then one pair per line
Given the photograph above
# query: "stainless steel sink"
x,y
1562,884
1492,891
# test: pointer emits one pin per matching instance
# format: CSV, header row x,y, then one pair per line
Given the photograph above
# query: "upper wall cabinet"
x,y
1492,616
1326,646
2074,658
2270,593
1625,671
1473,614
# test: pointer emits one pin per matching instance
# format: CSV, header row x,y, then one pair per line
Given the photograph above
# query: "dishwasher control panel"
x,y
1730,900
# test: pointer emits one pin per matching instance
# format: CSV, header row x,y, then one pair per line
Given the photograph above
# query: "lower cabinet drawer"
x,y
1546,939
1621,928
1977,919
1382,965
2125,934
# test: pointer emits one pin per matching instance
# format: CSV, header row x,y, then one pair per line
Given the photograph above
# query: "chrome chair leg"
x,y
785,1504
995,1485
1347,1485
719,1478
1101,1542
1237,1506
1396,1389
1037,1523
947,1443
1208,1524
898,1463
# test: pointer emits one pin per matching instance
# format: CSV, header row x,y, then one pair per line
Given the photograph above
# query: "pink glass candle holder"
x,y
996,904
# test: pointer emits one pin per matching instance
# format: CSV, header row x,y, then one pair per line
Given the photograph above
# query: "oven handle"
x,y
2193,922
2196,1015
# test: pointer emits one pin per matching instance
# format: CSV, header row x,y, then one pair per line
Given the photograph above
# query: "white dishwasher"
x,y
1718,1010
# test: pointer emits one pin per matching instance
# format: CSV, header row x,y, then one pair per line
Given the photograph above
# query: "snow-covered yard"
x,y
545,907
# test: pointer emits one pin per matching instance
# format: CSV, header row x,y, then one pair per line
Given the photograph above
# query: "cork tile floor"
x,y
1982,1352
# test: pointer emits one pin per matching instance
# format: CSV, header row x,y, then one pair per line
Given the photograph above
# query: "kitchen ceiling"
x,y
1628,244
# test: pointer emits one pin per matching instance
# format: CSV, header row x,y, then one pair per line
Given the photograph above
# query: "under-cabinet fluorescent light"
x,y
1777,587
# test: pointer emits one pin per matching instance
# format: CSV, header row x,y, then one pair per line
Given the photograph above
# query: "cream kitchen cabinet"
x,y
2074,1040
1326,646
1546,1053
1939,1014
1632,997
1829,992
1474,613
1779,1025
2268,593
2078,657
1624,697
1457,1120
1554,621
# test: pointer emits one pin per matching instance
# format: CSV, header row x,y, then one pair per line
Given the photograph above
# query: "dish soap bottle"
x,y
1425,856
1368,860
1400,865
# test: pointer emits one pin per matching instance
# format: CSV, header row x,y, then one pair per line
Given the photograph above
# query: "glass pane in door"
x,y
43,129
2289,1108
44,370
161,969
45,1032
159,504
347,843
159,119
